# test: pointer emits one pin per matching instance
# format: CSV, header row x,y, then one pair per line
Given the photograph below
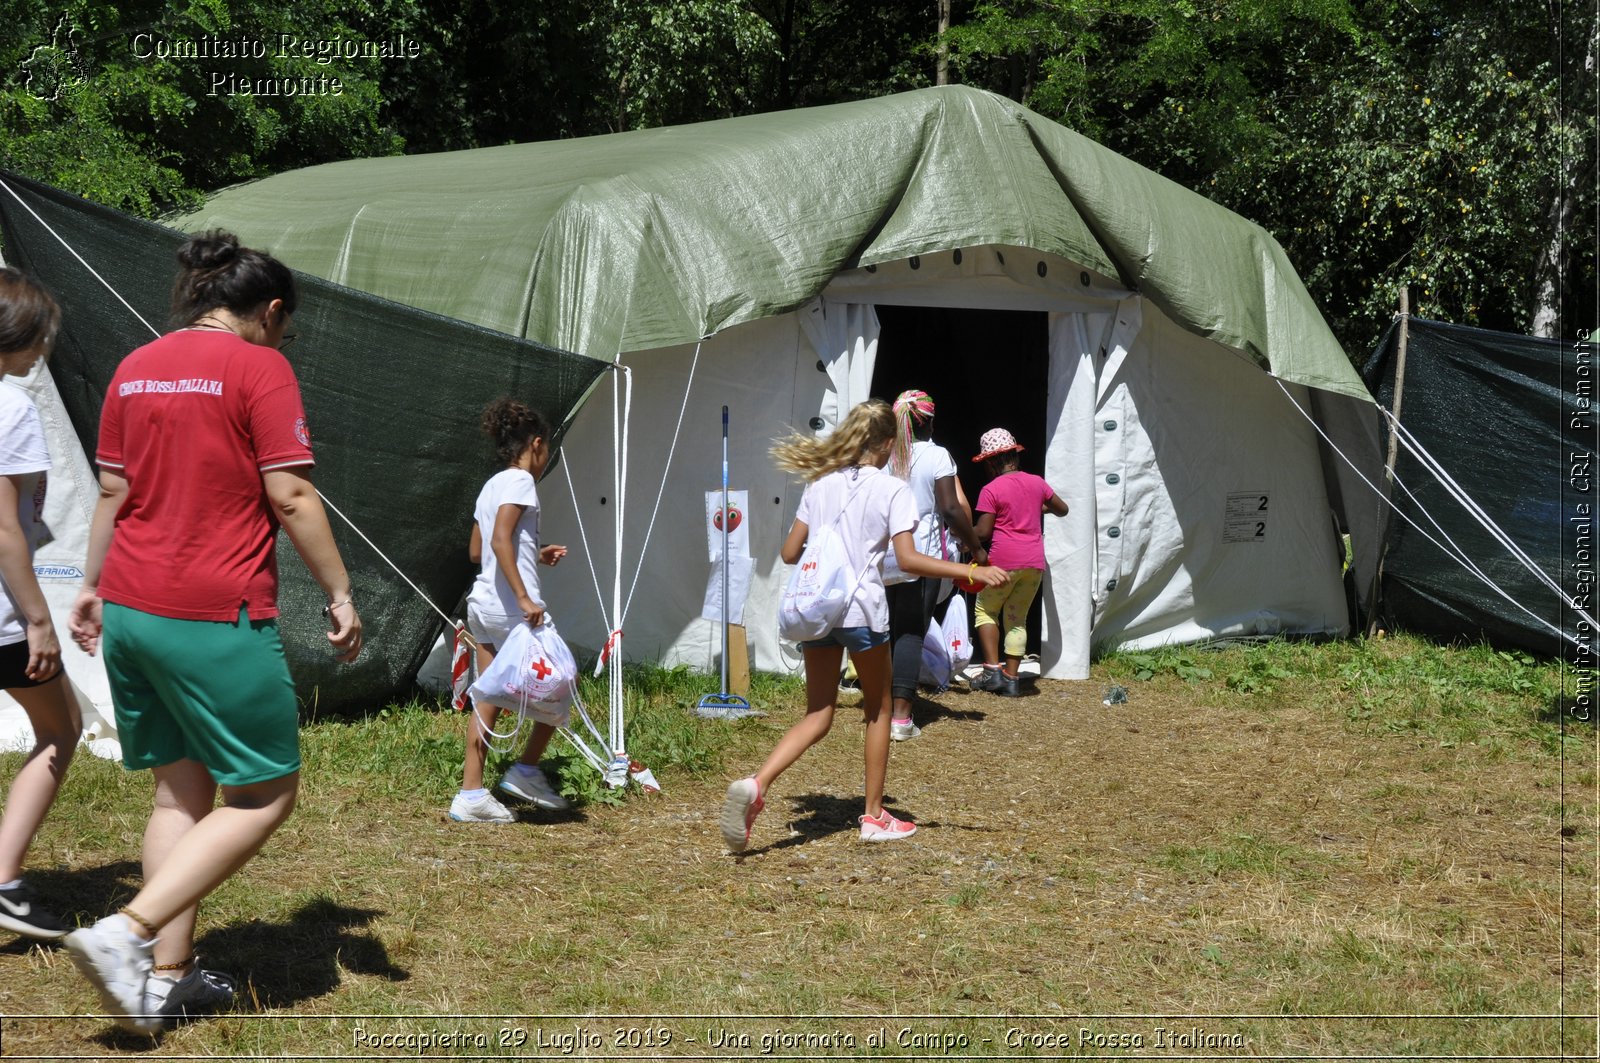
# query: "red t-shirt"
x,y
191,421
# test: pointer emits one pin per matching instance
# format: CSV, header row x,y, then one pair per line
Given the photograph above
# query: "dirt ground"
x,y
1256,875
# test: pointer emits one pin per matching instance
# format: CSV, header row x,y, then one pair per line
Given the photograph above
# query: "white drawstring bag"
x,y
936,670
946,649
956,635
819,590
532,674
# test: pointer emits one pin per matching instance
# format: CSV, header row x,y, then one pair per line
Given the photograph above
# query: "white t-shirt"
x,y
880,506
23,454
929,463
490,593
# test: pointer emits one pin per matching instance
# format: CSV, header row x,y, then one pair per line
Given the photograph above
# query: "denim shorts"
x,y
854,639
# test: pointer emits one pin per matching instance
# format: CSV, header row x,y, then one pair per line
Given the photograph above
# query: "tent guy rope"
x,y
616,767
1472,508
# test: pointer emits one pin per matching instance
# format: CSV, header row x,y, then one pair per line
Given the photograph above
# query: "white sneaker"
x,y
118,966
201,992
529,784
900,732
484,809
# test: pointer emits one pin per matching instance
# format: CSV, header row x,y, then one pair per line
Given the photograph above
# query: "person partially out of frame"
x,y
30,650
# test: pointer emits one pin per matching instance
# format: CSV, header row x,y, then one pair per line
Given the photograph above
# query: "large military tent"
x,y
1156,352
742,262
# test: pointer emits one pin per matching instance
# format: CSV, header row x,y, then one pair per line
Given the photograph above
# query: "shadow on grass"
x,y
279,965
527,812
1571,709
820,815
80,897
924,712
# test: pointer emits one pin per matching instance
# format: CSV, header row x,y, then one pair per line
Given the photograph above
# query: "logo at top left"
x,y
53,67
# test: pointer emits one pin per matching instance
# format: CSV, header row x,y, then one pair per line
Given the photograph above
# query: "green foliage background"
x,y
1446,145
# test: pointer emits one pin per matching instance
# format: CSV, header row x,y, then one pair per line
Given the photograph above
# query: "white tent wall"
x,y
1212,513
1143,557
68,509
1069,543
766,373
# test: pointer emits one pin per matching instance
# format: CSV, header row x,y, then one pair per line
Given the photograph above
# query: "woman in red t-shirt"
x,y
203,453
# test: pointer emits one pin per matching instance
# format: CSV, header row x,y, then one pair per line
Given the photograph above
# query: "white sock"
x,y
473,795
13,884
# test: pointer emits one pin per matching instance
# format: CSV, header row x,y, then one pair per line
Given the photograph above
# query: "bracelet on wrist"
x,y
327,610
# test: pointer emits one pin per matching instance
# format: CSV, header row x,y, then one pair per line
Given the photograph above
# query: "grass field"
x,y
1374,849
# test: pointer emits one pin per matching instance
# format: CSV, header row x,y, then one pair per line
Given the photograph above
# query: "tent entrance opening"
x,y
984,369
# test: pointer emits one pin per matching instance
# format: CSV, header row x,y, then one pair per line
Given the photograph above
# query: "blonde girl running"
x,y
870,509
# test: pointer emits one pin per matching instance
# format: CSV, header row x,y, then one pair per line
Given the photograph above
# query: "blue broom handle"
x,y
725,559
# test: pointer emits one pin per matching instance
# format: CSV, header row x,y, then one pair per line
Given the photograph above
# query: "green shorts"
x,y
202,690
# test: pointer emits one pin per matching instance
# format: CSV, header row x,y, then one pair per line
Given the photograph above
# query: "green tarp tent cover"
x,y
652,238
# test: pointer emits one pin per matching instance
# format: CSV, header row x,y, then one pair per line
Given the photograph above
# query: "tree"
x,y
1384,142
1432,158
668,62
489,72
834,51
142,105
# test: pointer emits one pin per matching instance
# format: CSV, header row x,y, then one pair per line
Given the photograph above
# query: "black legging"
x,y
911,606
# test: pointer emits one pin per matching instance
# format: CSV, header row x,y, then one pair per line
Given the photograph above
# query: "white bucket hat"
x,y
996,441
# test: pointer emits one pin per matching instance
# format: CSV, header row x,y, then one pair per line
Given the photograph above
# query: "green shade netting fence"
x,y
393,396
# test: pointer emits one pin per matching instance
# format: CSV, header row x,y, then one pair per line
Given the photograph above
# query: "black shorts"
x,y
14,667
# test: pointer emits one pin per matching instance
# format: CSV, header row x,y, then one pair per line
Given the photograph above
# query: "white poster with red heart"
x,y
740,567
733,518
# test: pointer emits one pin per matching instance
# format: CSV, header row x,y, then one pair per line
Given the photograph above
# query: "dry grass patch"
x,y
1333,840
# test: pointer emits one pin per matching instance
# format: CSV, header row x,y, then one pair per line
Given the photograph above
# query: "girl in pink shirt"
x,y
1010,511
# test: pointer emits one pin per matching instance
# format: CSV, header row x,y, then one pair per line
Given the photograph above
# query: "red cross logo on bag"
x,y
540,668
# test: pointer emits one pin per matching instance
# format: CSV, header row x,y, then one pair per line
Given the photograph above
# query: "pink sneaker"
x,y
739,811
885,828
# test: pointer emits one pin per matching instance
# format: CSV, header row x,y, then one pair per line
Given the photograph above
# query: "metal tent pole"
x,y
1394,447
